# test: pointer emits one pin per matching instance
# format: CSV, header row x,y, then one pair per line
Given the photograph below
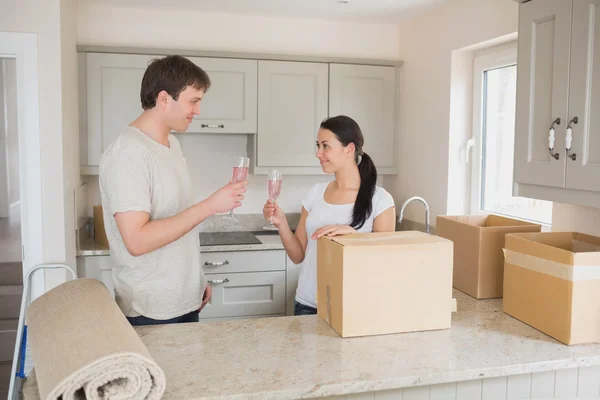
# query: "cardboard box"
x,y
99,232
478,243
552,282
379,283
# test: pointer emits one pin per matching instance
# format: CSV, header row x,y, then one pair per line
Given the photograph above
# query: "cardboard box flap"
x,y
387,239
498,221
472,220
487,221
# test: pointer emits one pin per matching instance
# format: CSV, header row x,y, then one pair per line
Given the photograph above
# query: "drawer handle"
x,y
213,126
216,263
218,281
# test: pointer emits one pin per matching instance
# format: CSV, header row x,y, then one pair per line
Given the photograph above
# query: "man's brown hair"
x,y
171,74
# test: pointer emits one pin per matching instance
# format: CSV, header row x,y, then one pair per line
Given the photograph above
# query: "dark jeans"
x,y
141,320
301,309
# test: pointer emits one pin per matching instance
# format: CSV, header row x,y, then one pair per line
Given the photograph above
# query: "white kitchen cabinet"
x,y
557,68
291,284
112,93
292,102
97,267
245,294
367,94
583,173
245,283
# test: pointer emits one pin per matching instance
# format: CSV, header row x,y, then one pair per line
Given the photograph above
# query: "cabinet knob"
x,y
216,263
569,139
213,126
218,281
551,139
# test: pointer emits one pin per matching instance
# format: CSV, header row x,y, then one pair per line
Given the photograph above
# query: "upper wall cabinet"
x,y
293,99
111,87
557,132
292,102
367,94
279,102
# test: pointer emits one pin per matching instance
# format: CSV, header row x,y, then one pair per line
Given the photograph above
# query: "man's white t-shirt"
x,y
139,174
321,213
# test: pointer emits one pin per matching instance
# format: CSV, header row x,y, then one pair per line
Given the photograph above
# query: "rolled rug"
x,y
83,347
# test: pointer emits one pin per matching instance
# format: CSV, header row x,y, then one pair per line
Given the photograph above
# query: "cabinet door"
x,y
97,267
292,102
113,97
542,90
229,106
367,94
245,294
583,173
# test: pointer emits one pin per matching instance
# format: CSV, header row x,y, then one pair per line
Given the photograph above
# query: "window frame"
x,y
485,60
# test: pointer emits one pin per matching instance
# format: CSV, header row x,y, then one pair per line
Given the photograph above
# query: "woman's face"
x,y
331,152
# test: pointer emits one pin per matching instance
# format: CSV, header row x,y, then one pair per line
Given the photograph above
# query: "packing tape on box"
x,y
558,270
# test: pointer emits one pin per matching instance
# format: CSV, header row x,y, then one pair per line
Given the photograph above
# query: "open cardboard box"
x,y
478,243
380,283
552,282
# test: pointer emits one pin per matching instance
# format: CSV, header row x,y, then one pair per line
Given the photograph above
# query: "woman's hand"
x,y
332,230
272,210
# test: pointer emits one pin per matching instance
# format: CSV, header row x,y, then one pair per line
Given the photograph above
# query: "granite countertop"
x,y
244,223
87,246
302,357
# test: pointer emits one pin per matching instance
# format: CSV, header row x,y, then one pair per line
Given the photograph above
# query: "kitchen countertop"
x,y
302,357
272,241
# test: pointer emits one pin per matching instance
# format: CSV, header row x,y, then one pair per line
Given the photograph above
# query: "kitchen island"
x,y
485,351
302,357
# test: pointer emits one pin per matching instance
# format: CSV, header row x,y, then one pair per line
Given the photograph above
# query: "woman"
x,y
351,203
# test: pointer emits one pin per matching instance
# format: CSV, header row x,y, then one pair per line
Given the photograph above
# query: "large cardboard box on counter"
x,y
379,283
478,243
552,282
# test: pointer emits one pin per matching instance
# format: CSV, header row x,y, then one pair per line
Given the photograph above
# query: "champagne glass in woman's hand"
x,y
240,173
274,190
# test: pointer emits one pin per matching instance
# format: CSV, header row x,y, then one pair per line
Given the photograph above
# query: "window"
x,y
494,104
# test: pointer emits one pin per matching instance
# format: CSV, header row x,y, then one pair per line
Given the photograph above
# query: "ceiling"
x,y
379,11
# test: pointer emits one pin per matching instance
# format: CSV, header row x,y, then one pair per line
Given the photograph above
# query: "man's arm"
x,y
142,236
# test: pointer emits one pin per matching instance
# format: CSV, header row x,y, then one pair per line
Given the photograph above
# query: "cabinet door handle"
x,y
551,139
569,139
216,263
218,281
213,126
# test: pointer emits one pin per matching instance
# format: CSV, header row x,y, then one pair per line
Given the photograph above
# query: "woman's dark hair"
x,y
171,74
348,131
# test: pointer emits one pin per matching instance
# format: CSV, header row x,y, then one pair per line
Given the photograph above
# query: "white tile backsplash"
x,y
210,158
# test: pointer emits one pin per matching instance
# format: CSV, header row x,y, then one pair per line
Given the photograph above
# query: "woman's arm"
x,y
386,221
295,244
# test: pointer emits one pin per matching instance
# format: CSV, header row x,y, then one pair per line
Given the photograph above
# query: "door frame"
x,y
24,47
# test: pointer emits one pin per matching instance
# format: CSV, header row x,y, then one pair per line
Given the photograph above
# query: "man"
x,y
150,213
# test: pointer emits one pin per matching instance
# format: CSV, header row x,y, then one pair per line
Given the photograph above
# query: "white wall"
x,y
9,68
70,117
209,157
4,202
43,17
566,217
426,46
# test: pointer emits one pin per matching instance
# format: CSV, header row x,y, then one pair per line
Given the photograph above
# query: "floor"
x,y
10,238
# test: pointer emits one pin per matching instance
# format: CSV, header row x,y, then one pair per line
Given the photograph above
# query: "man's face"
x,y
180,112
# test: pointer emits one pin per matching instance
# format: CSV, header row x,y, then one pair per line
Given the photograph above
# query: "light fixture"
x,y
343,1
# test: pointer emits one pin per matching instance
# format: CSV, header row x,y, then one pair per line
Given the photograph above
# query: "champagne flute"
x,y
240,173
274,190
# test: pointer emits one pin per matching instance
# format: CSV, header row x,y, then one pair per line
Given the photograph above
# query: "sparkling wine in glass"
x,y
274,190
240,173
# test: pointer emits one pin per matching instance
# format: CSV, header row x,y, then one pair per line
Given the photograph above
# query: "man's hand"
x,y
206,297
227,198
